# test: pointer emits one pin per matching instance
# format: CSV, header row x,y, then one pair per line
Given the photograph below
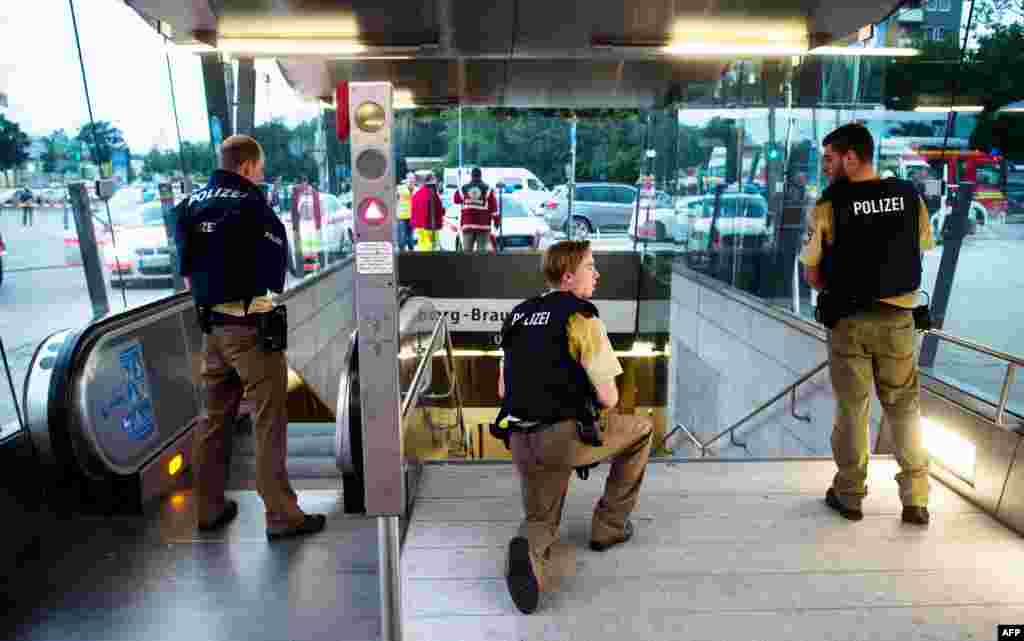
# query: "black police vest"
x,y
230,242
543,382
876,240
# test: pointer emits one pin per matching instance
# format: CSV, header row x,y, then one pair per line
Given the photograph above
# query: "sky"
x,y
126,70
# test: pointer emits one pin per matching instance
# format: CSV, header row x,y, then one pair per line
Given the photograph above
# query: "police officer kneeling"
x,y
232,248
559,366
863,251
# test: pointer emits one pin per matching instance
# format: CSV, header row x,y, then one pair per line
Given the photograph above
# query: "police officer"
x,y
557,384
479,205
232,249
404,215
863,250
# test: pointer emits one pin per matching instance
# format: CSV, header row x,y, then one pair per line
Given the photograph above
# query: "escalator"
x,y
111,411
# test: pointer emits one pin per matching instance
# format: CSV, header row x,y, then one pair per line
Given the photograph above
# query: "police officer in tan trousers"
x,y
232,250
557,384
863,252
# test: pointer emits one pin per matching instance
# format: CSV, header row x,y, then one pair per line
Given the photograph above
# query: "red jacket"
x,y
421,209
479,206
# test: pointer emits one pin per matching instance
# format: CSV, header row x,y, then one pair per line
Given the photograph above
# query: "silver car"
x,y
598,206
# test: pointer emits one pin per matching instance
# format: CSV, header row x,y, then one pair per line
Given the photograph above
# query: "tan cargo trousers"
x,y
546,461
876,348
234,363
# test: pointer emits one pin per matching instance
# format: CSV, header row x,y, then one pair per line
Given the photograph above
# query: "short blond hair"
x,y
564,257
239,149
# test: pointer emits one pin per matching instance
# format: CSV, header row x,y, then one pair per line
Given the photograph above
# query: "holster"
x,y
831,309
923,318
203,318
273,329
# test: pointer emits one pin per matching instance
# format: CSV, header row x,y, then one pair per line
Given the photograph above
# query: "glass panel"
x,y
119,135
42,112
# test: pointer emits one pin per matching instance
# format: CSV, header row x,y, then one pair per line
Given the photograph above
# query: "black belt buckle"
x,y
273,329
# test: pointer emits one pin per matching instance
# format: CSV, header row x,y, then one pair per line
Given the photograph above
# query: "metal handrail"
x,y
730,431
1017,361
1012,362
453,377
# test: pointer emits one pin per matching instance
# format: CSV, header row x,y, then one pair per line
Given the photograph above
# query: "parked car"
x,y
138,252
520,229
742,222
607,207
657,224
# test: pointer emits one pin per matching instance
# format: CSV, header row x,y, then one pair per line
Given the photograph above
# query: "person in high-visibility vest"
x,y
405,192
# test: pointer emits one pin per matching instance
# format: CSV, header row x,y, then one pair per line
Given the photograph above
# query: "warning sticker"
x,y
376,257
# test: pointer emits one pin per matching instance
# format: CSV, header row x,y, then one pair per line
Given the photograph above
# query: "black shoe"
x,y
627,535
520,577
916,515
833,502
312,524
227,516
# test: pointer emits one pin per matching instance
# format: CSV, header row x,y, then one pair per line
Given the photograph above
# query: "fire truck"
x,y
938,166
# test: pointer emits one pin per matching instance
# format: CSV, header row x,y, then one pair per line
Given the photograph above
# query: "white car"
x,y
520,230
742,217
656,221
137,251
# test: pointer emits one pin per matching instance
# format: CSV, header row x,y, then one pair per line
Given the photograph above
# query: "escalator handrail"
x,y
426,358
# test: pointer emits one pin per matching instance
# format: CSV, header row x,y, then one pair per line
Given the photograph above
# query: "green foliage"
x,y
14,145
101,139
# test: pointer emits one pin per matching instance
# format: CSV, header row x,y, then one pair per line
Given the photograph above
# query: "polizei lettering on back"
x,y
894,204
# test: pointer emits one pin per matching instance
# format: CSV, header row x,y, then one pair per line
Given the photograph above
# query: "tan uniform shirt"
x,y
819,234
589,344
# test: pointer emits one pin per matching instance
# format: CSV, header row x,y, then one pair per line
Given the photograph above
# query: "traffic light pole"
x,y
376,286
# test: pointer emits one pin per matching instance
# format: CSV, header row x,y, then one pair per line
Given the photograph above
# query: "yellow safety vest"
x,y
404,202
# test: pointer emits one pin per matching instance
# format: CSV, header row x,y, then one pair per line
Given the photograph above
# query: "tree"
x,y
998,12
102,139
14,145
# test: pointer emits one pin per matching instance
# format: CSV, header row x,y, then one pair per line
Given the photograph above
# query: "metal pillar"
x,y
389,555
376,286
90,250
170,222
571,196
954,229
246,116
218,100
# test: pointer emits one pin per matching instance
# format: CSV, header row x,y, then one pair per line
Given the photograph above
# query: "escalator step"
x,y
309,467
298,446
